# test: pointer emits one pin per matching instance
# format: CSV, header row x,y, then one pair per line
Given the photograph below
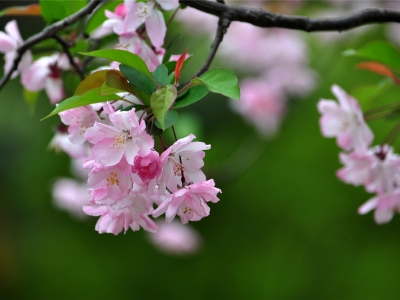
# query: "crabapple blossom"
x,y
71,195
45,73
79,119
385,205
189,202
184,159
147,167
127,137
129,212
344,121
62,142
176,238
10,40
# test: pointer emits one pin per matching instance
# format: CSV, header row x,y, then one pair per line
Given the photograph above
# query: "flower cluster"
x,y
376,168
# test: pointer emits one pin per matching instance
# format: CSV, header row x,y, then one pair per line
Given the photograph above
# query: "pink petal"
x,y
156,29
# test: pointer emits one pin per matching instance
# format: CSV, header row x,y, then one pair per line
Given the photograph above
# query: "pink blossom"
x,y
71,195
189,202
10,40
130,212
385,205
108,183
45,73
147,167
127,137
79,119
176,238
262,104
185,158
344,121
61,141
358,166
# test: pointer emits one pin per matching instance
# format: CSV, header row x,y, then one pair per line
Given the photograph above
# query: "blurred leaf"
x,y
115,83
161,101
170,119
364,94
90,97
380,51
380,69
221,81
94,80
170,48
138,79
171,65
31,98
193,95
98,16
56,10
124,57
30,10
161,75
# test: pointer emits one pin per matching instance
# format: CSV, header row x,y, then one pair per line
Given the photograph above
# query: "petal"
x,y
168,4
156,29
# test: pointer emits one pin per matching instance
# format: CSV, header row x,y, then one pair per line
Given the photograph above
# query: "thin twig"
x,y
65,45
48,32
223,24
263,18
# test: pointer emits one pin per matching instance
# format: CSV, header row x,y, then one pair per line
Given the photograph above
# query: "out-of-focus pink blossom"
x,y
185,158
45,73
61,141
71,195
189,202
79,119
176,238
357,167
127,138
10,40
385,205
344,121
261,104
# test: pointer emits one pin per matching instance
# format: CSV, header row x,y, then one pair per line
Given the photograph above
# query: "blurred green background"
x,y
285,227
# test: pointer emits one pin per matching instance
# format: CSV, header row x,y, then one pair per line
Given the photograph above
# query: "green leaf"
x,y
161,101
170,48
98,17
115,83
124,57
193,95
379,51
161,75
94,80
90,97
221,81
56,10
171,65
170,119
138,79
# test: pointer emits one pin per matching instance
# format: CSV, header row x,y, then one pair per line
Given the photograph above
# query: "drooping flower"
x,y
10,40
79,119
385,205
189,202
45,73
127,138
344,121
184,159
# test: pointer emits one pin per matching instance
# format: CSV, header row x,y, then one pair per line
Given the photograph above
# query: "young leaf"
x,y
94,80
221,81
124,57
115,83
170,119
378,51
30,10
380,69
193,95
138,79
90,97
161,75
161,101
179,66
170,48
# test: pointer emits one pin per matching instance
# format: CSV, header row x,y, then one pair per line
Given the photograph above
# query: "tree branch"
x,y
223,25
71,60
263,18
48,32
